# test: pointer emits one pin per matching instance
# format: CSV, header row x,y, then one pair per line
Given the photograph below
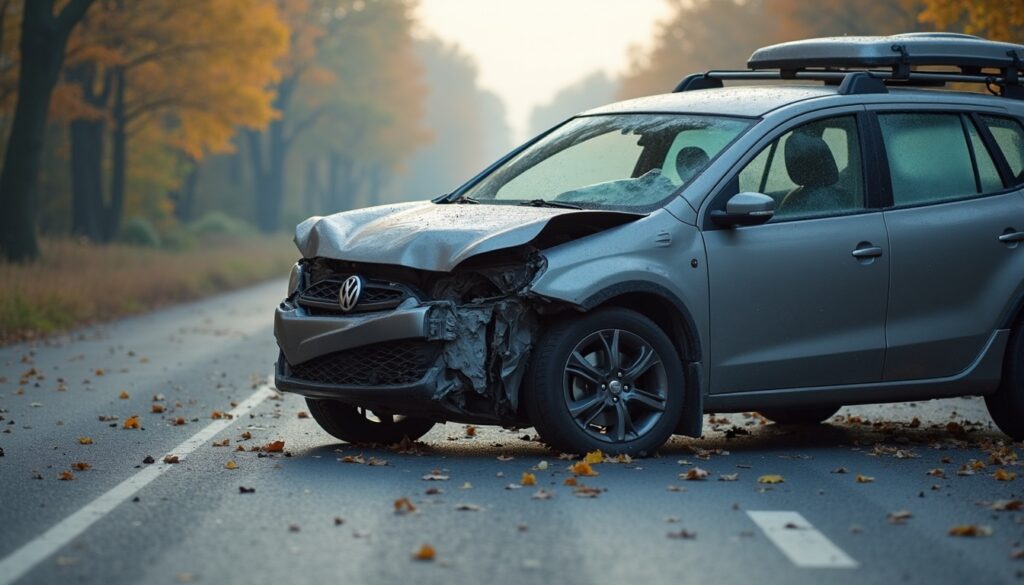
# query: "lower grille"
x,y
377,296
381,364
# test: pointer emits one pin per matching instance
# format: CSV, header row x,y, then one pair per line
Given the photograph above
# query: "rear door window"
x,y
1009,136
929,158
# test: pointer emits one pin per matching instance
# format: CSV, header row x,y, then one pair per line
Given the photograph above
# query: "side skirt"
x,y
980,378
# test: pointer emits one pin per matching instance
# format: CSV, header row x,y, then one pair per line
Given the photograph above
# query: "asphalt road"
x,y
321,512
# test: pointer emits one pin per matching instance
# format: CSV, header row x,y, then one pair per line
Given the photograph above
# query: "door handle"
x,y
1010,236
867,252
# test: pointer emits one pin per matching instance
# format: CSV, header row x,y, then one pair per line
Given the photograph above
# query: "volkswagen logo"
x,y
349,293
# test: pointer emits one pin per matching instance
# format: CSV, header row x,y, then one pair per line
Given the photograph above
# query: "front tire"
x,y
609,380
1006,405
354,424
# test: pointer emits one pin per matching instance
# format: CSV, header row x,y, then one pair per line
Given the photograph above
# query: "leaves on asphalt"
x,y
231,464
424,553
970,530
694,474
771,479
132,422
85,440
468,508
66,476
1003,475
594,457
582,468
864,478
435,475
274,447
528,479
899,517
1006,505
729,477
81,466
171,459
404,506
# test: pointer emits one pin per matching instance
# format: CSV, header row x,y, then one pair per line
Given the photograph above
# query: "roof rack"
x,y
861,65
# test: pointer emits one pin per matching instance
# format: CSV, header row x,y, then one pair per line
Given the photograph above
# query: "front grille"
x,y
376,296
380,364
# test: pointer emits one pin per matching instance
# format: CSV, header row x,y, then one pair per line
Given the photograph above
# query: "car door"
x,y
800,301
955,226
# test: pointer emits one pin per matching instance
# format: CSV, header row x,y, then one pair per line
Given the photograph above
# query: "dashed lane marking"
x,y
21,561
801,542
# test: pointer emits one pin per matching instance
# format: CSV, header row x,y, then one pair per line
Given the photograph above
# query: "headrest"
x,y
809,161
690,161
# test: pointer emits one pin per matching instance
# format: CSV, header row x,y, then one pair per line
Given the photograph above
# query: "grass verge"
x,y
76,284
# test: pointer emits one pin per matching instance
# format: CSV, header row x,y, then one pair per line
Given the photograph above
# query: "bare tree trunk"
x,y
43,38
118,163
87,137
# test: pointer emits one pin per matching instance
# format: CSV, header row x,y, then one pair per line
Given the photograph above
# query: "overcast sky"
x,y
527,50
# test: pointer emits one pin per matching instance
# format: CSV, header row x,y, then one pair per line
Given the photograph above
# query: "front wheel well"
x,y
672,319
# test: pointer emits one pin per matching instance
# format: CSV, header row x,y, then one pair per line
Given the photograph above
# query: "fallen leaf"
x,y
171,459
1003,475
81,466
303,414
435,475
899,517
468,508
274,447
470,431
542,466
148,460
157,408
124,395
246,435
864,478
504,458
542,494
466,486
728,477
528,479
582,468
594,457
840,470
937,472
66,476
222,443
694,474
433,491
231,464
132,422
85,440
425,553
216,415
582,491
375,462
771,479
404,506
1007,505
246,490
180,421
683,535
970,530
570,481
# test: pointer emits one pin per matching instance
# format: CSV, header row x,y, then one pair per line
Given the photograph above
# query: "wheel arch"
x,y
656,303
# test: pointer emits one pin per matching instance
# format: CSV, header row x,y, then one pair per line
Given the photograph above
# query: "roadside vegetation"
x,y
76,283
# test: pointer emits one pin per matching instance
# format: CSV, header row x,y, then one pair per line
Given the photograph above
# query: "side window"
x,y
1010,138
989,180
930,159
813,170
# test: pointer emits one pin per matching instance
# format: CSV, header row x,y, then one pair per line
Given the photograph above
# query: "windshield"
x,y
621,161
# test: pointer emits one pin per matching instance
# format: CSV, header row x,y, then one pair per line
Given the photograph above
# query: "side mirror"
x,y
745,209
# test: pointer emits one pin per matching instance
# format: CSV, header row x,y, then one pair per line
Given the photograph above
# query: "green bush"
x,y
139,232
216,224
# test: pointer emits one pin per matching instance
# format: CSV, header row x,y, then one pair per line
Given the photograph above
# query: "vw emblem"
x,y
349,293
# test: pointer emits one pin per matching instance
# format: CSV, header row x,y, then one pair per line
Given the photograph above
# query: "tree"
x,y
995,19
44,36
183,74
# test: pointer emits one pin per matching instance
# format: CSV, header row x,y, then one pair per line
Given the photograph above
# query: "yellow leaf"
x,y
124,395
132,422
582,468
85,440
528,479
425,553
594,457
1003,475
231,464
864,478
771,478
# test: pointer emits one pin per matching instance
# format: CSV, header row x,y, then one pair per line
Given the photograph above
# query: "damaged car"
x,y
848,234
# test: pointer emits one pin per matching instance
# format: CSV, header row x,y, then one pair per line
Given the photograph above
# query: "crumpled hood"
x,y
427,235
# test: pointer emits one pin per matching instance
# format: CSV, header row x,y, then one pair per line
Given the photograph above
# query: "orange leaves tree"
x,y
999,20
350,99
43,37
171,75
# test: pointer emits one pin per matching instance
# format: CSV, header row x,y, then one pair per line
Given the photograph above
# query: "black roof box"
x,y
897,51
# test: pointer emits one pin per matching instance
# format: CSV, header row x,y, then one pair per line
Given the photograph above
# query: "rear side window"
x,y
1010,138
929,158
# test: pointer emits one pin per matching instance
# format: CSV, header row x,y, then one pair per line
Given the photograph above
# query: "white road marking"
x,y
24,559
801,542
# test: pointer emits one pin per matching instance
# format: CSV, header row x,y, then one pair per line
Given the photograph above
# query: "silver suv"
x,y
848,234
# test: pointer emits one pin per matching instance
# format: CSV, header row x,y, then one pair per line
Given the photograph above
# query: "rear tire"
x,y
1006,405
811,415
578,401
354,424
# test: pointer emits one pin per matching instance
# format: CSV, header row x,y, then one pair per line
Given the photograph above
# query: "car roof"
x,y
757,100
